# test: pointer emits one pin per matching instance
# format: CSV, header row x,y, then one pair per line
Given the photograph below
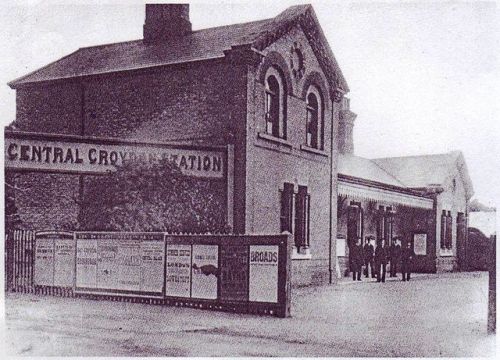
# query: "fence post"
x,y
492,325
285,278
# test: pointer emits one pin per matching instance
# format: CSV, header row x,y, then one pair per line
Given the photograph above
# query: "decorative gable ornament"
x,y
297,61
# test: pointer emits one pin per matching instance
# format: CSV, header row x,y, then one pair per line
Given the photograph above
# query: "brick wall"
x,y
54,108
271,164
157,105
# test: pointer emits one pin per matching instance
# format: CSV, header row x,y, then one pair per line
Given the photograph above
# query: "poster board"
x,y
120,263
420,243
263,282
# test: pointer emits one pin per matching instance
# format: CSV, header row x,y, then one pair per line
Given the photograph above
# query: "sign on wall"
x,y
420,244
120,262
54,259
205,271
340,246
99,156
264,262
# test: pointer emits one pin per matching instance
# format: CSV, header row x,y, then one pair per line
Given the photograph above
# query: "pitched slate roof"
x,y
427,170
202,44
366,169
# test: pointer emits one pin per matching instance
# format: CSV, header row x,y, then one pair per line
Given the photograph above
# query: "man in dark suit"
x,y
381,260
356,260
395,251
368,252
407,254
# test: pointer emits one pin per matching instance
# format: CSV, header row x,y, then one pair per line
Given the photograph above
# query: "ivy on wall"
x,y
152,197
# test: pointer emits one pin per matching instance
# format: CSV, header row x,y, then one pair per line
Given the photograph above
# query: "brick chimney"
x,y
346,125
166,21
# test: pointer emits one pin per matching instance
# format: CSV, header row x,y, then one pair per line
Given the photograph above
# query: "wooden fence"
x,y
19,261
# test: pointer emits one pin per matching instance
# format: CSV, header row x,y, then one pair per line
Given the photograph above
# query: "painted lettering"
x,y
36,153
11,151
217,164
24,153
103,157
48,151
92,156
58,155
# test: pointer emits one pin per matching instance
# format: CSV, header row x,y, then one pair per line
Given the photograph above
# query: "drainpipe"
x,y
331,268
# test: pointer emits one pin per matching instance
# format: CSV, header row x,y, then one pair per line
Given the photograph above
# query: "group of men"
x,y
375,260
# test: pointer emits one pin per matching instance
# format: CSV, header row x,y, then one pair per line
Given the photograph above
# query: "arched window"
x,y
275,104
314,119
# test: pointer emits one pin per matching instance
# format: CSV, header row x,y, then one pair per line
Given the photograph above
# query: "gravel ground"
x,y
433,315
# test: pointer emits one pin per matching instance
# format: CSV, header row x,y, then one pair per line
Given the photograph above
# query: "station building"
x,y
420,199
268,90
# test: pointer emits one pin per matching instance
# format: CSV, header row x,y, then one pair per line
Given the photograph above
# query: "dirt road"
x,y
433,315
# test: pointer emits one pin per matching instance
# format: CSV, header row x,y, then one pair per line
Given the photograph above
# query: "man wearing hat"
x,y
381,253
368,253
395,255
356,260
407,254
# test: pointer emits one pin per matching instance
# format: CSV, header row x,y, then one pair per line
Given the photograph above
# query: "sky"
x,y
424,76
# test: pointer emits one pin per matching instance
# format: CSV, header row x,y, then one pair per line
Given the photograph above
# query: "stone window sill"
x,y
275,139
313,150
445,252
302,254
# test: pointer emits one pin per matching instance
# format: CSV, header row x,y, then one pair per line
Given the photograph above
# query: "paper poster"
x,y
124,262
64,262
420,244
263,284
153,257
129,265
107,264
86,263
44,262
178,273
234,272
205,271
341,246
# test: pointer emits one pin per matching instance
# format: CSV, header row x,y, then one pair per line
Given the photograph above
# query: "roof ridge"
x,y
108,44
457,152
378,166
194,31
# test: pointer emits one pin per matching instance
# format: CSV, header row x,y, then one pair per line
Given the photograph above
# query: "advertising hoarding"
x,y
120,262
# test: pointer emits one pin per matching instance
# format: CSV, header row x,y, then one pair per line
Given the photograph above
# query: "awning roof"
x,y
363,192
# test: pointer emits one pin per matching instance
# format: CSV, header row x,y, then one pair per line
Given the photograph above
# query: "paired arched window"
x,y
314,119
275,104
